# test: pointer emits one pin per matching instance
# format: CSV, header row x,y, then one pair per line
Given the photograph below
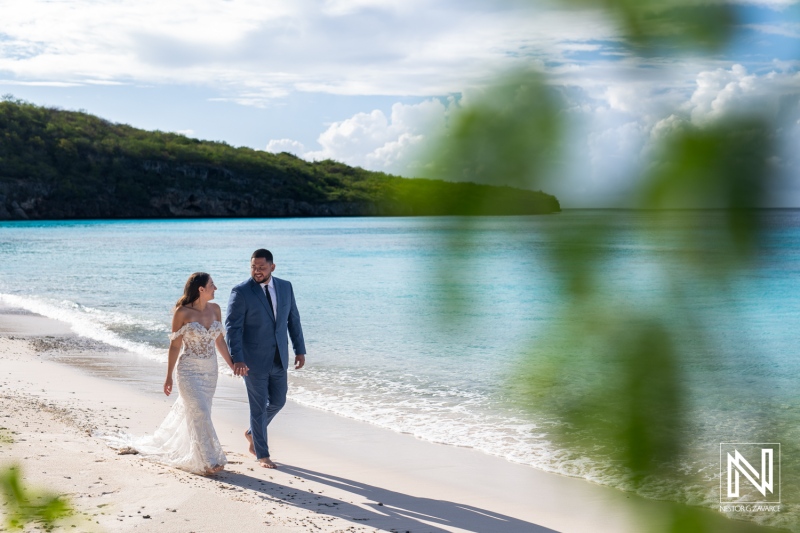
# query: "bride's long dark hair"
x,y
191,291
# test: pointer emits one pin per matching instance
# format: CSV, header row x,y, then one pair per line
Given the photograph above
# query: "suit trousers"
x,y
267,395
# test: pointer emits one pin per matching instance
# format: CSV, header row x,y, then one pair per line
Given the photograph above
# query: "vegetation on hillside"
x,y
68,164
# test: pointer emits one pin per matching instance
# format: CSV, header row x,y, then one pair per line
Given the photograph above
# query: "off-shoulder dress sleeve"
x,y
175,334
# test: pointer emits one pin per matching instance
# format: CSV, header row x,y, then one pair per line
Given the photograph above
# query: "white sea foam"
x,y
441,414
428,411
91,323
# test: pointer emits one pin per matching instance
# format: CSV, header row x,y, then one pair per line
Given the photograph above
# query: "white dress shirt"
x,y
272,294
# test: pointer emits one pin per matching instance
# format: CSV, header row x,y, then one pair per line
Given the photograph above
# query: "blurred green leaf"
x,y
576,256
657,25
612,371
510,136
726,166
24,506
615,375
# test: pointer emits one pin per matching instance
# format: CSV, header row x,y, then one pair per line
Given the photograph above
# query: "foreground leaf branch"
x,y
615,368
23,506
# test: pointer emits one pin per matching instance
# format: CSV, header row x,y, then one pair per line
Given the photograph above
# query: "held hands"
x,y
240,369
168,385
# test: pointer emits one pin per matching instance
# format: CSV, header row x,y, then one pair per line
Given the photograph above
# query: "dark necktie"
x,y
277,359
269,299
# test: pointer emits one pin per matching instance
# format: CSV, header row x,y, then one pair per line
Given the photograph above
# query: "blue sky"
x,y
371,83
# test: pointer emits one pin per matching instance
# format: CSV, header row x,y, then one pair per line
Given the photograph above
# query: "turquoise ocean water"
x,y
377,352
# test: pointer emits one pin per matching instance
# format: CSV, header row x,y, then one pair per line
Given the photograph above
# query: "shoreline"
x,y
354,476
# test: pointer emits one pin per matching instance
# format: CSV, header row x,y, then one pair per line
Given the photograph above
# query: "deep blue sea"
x,y
371,300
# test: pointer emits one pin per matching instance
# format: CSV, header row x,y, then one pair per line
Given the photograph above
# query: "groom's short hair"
x,y
263,254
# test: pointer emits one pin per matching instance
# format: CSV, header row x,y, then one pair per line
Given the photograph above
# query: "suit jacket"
x,y
253,333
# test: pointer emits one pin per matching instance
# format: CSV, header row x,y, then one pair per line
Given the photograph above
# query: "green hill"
x,y
57,164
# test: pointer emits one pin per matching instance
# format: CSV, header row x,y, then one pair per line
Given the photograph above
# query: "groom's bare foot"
x,y
267,463
249,438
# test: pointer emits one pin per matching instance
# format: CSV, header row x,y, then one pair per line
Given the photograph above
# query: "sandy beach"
x,y
335,474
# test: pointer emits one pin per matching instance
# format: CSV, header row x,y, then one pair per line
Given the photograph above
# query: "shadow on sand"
x,y
386,509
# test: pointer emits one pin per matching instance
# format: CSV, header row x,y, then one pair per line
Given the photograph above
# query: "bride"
x,y
186,438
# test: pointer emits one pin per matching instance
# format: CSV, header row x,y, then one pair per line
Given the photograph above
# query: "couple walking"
x,y
261,317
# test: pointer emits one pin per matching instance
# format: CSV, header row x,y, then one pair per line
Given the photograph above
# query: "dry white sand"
x,y
335,474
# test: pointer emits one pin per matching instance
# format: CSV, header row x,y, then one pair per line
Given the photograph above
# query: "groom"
x,y
261,311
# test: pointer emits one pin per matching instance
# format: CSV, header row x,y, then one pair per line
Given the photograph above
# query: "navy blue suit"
x,y
260,339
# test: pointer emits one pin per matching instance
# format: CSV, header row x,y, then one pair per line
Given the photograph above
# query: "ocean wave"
x,y
95,324
442,414
403,403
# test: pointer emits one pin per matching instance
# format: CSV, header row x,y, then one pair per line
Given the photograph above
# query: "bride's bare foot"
x,y
249,438
214,469
267,463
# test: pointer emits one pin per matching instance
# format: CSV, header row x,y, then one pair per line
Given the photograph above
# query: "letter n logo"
x,y
748,472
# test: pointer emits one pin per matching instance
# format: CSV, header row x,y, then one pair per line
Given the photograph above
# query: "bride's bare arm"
x,y
222,346
174,348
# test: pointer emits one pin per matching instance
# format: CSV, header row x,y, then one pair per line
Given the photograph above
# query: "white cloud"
x,y
393,144
627,125
579,47
252,51
285,145
390,144
791,30
346,7
622,98
617,128
354,137
42,83
721,92
775,4
667,127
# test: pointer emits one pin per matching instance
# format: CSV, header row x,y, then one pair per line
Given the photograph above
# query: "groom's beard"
x,y
265,280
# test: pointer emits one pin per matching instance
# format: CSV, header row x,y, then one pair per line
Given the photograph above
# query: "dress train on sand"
x,y
186,439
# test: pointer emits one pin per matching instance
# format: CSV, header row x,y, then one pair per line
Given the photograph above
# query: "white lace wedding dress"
x,y
186,438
